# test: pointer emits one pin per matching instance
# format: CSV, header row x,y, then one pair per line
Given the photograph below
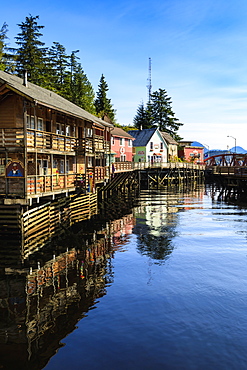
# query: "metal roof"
x,y
142,137
47,98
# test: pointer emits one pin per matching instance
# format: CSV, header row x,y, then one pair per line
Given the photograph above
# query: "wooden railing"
x,y
11,137
41,223
41,184
130,166
93,144
49,140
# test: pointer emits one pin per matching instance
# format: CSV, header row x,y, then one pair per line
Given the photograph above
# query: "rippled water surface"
x,y
176,296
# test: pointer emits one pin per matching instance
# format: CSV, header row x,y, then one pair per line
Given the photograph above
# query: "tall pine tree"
x,y
4,58
104,108
140,120
158,113
82,91
30,54
57,68
162,114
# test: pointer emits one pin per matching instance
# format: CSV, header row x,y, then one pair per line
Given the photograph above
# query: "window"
x,y
42,167
68,131
112,140
60,129
61,169
30,122
161,146
151,145
55,163
40,124
129,142
90,161
89,132
122,158
121,141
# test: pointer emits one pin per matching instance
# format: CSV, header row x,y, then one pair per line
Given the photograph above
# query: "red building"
x,y
121,145
191,153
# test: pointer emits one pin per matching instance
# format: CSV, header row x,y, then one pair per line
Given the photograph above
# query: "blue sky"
x,y
198,51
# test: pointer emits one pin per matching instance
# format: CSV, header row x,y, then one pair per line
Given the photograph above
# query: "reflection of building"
x,y
155,225
121,229
40,307
156,221
42,303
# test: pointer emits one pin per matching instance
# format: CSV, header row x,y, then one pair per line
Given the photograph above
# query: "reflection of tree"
x,y
158,247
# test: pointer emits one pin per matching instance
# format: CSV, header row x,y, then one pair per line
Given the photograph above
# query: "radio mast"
x,y
149,86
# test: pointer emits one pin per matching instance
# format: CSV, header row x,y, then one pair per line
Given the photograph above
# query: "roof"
x,y
142,137
117,131
168,138
47,98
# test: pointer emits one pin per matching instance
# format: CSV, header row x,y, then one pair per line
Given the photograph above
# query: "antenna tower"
x,y
149,86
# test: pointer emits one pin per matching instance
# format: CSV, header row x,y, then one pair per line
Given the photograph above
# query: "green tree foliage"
x,y
30,54
140,119
52,68
102,103
158,113
162,113
57,67
82,92
5,63
143,117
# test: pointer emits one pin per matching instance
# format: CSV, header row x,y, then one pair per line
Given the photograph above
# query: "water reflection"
x,y
156,220
42,302
43,298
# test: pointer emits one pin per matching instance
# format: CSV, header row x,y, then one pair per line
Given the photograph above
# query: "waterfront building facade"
x,y
48,145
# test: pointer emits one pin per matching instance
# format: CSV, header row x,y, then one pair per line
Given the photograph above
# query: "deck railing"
x,y
40,184
130,166
49,140
11,137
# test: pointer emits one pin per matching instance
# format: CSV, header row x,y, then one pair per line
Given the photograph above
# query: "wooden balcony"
x,y
14,138
41,184
92,145
11,138
48,140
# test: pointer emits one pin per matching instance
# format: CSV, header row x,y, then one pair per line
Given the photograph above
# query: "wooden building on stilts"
x,y
53,154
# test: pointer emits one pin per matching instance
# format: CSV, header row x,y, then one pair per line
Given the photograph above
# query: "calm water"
x,y
169,292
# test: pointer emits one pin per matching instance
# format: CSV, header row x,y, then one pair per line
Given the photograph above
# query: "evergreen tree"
x,y
30,54
82,91
5,59
140,117
162,114
102,103
58,62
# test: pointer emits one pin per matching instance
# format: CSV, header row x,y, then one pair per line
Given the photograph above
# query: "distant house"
x,y
149,145
121,145
191,153
172,146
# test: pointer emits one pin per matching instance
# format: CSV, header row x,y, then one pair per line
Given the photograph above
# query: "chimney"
x,y
25,77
